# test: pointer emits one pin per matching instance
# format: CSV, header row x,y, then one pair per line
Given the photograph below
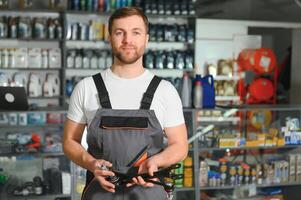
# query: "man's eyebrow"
x,y
137,29
121,29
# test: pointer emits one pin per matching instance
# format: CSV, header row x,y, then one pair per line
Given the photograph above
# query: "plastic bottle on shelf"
x,y
185,91
198,94
188,172
204,168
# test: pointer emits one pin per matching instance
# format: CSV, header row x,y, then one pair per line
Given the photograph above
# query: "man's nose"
x,y
127,38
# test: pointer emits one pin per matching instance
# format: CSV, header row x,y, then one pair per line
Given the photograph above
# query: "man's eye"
x,y
137,33
118,33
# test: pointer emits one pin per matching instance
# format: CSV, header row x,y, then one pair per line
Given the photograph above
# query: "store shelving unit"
x,y
280,115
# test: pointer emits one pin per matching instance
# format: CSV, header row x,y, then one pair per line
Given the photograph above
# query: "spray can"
x,y
185,92
198,94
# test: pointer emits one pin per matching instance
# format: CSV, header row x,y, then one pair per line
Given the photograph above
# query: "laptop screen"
x,y
13,98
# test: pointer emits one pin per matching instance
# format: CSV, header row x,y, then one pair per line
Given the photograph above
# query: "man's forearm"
x,y
172,154
75,152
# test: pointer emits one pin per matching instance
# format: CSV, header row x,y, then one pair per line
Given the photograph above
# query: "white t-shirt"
x,y
126,94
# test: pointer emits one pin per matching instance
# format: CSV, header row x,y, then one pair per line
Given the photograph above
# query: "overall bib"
x,y
117,135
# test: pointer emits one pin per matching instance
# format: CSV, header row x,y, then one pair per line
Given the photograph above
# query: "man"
x,y
126,82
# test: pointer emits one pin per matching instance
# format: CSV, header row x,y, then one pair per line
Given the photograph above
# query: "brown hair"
x,y
127,12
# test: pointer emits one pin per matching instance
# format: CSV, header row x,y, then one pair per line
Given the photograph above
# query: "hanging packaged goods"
x,y
261,60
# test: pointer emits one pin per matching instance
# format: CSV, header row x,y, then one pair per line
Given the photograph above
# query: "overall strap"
x,y
102,91
149,94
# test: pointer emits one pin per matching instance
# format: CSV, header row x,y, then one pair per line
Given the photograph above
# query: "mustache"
x,y
128,46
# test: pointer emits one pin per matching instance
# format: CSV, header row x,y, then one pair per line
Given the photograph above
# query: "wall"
x,y
264,10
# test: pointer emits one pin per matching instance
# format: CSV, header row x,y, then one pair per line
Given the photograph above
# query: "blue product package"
x,y
208,91
36,118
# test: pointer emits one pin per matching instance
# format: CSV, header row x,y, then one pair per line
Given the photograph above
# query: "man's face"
x,y
128,39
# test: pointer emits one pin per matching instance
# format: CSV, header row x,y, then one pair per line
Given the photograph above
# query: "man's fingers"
x,y
140,180
130,184
106,184
152,169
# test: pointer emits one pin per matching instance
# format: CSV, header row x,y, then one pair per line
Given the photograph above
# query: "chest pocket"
x,y
126,123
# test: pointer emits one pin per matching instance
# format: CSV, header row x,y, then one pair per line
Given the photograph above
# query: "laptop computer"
x,y
13,98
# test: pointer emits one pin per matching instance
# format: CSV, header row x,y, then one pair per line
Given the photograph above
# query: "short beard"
x,y
127,61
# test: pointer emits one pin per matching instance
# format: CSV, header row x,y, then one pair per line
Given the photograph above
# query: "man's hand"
x,y
149,166
101,172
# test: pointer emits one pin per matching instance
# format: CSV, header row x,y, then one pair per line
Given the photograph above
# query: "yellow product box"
x,y
228,142
270,143
254,143
280,142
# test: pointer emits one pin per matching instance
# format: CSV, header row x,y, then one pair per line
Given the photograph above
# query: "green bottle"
x,y
2,177
179,182
113,5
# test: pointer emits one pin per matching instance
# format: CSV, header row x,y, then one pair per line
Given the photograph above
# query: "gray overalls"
x,y
117,136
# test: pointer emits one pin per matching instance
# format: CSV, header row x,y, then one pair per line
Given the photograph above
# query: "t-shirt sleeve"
x,y
76,105
173,115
